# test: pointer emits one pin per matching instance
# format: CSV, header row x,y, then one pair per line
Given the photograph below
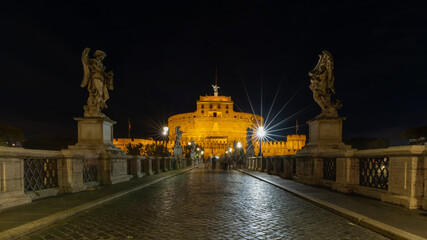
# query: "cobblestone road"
x,y
207,205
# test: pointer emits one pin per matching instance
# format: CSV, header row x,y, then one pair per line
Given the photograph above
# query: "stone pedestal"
x,y
95,139
325,135
177,152
96,131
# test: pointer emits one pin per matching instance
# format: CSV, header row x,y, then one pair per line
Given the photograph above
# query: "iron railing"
x,y
374,172
330,169
90,170
40,173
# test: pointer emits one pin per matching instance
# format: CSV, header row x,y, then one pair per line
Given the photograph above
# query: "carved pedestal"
x,y
95,139
177,152
325,135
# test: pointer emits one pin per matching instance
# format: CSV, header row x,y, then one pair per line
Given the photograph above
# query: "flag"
x,y
130,127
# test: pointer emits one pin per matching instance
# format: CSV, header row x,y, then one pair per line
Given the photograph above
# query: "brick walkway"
x,y
204,204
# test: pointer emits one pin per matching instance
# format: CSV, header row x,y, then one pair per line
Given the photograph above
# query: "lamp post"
x,y
166,134
261,134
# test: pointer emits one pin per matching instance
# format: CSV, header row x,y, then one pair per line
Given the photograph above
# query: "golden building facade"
x,y
214,125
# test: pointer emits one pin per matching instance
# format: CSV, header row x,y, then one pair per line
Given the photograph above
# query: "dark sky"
x,y
164,54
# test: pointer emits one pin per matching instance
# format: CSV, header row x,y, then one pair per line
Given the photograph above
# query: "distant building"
x,y
215,126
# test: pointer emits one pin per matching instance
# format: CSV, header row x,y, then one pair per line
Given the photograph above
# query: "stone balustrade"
x,y
396,175
27,174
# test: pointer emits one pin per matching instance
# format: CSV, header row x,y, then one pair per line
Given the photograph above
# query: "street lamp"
x,y
261,134
166,134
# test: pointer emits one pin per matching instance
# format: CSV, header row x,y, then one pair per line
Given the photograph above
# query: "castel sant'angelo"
x,y
215,126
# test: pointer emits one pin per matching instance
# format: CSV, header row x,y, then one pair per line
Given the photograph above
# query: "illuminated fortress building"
x,y
215,126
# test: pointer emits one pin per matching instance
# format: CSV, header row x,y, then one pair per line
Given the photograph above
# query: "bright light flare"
x,y
239,144
260,132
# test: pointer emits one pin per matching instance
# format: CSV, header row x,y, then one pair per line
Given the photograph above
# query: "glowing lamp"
x,y
260,132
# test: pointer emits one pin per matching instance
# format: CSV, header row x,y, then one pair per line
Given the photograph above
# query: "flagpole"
x,y
129,127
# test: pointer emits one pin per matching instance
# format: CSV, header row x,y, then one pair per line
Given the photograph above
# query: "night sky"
x,y
164,55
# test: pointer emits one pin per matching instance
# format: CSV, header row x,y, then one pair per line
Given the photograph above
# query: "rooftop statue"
x,y
215,88
98,82
322,85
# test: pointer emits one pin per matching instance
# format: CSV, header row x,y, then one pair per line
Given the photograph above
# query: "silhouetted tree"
x,y
418,135
48,143
136,149
10,136
367,143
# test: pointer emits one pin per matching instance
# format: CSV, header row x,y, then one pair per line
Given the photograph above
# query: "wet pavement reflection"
x,y
206,204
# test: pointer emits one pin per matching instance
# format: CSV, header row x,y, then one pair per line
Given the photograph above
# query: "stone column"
x,y
287,168
309,170
148,165
169,163
406,176
71,178
136,167
163,164
424,203
347,175
155,164
11,179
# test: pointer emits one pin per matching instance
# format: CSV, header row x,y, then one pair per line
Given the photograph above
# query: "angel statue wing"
x,y
85,62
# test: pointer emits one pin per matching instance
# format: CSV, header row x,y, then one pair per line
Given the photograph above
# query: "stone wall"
x,y
396,175
26,175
